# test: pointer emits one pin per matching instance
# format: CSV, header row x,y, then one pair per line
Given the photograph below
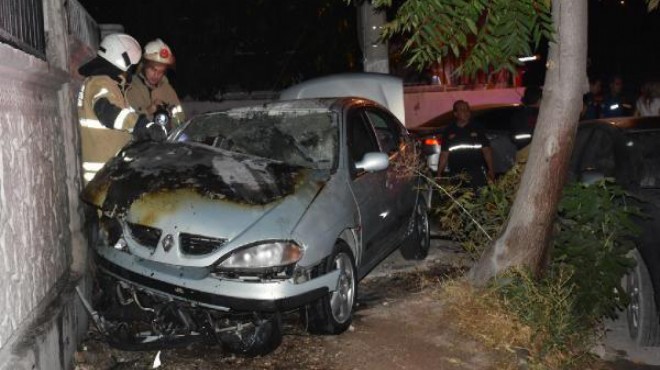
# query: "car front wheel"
x,y
333,313
641,313
257,338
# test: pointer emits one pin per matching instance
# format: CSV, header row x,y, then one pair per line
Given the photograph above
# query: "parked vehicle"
x,y
245,214
497,122
627,149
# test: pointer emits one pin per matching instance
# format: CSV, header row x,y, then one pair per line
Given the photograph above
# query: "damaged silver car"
x,y
241,216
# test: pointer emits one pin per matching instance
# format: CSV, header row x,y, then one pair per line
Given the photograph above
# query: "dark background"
x,y
241,45
624,39
250,45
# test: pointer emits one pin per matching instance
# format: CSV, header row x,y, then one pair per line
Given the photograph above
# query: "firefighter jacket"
x,y
106,121
140,96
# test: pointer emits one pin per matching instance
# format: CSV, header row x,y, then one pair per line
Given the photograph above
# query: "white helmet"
x,y
158,51
121,50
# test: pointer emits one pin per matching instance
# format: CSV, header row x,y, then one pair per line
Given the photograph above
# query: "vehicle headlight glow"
x,y
266,255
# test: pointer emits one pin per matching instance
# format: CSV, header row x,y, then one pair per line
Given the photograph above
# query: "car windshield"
x,y
299,138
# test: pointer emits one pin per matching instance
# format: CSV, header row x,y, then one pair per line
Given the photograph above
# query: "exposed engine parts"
x,y
132,319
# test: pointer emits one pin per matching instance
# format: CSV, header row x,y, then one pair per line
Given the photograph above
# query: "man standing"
x,y
150,89
106,119
466,148
592,102
616,104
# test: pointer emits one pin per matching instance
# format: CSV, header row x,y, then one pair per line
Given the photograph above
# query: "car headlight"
x,y
266,255
111,233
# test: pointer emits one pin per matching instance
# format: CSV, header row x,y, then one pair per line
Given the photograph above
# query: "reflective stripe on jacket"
x,y
103,135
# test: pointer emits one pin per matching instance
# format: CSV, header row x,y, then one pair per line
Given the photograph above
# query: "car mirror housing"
x,y
373,162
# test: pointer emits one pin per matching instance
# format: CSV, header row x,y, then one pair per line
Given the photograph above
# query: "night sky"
x,y
270,44
241,45
624,39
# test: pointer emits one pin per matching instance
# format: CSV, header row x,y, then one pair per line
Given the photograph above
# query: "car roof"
x,y
627,123
311,105
385,89
446,118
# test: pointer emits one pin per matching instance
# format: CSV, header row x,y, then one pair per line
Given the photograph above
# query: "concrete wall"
x,y
34,216
42,248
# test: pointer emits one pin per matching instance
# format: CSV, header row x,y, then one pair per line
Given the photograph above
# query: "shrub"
x,y
593,234
474,219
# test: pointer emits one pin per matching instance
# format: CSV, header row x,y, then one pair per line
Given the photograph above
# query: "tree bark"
x,y
374,50
526,237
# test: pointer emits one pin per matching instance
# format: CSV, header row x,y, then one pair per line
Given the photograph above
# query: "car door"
x,y
369,188
594,153
643,155
400,184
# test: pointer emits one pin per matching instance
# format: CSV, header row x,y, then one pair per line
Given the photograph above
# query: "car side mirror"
x,y
372,162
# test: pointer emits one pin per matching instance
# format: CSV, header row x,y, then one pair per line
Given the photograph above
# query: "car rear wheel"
x,y
333,313
416,246
641,313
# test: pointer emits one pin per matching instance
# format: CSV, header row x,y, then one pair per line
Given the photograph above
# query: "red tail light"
x,y
432,142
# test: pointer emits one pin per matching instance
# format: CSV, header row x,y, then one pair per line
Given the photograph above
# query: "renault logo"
x,y
168,242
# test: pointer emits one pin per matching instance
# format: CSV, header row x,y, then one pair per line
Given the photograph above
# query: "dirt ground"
x,y
398,324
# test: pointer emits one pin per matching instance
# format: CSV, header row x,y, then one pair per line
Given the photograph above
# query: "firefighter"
x,y
150,89
107,122
466,149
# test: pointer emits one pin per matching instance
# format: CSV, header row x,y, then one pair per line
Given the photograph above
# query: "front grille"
x,y
145,235
198,244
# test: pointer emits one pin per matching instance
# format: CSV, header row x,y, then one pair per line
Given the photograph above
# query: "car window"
x,y
646,145
440,121
300,138
361,138
387,131
598,153
495,119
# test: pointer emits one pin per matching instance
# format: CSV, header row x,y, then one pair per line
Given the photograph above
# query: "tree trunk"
x,y
374,50
526,238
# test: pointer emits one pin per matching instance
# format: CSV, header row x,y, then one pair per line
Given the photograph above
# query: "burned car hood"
x,y
147,168
195,194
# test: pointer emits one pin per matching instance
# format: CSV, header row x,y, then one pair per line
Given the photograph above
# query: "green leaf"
x,y
471,25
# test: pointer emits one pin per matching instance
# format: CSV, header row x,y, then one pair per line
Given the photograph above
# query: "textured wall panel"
x,y
34,229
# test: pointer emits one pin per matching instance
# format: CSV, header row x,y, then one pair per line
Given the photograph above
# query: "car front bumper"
x,y
201,289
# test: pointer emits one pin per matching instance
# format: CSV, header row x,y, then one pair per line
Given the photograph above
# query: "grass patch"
x,y
532,327
480,315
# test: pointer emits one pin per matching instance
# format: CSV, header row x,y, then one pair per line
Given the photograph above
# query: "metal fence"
x,y
22,25
81,25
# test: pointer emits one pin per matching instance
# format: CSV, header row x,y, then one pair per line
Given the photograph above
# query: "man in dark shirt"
x,y
592,102
466,148
616,104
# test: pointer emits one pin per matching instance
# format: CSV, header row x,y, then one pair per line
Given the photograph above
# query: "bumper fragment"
x,y
220,294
